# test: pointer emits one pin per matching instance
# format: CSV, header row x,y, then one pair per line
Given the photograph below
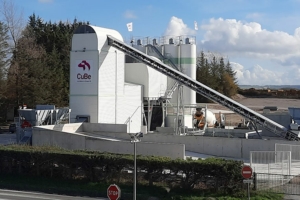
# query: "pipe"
x,y
134,176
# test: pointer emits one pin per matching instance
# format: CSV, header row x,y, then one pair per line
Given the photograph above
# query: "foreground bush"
x,y
215,175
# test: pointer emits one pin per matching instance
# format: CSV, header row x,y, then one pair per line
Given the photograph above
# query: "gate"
x,y
271,162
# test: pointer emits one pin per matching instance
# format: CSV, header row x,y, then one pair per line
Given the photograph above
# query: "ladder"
x,y
204,90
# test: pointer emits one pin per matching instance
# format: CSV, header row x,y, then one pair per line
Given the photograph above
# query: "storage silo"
x,y
138,44
187,60
170,51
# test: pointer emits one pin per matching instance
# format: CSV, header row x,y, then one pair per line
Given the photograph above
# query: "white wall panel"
x,y
137,73
106,109
107,73
130,106
154,82
84,105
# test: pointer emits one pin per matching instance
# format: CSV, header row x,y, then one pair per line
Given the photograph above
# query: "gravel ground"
x,y
256,104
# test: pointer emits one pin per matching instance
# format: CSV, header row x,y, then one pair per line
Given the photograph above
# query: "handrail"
x,y
131,115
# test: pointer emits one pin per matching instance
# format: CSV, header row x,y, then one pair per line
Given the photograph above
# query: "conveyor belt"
x,y
202,89
170,91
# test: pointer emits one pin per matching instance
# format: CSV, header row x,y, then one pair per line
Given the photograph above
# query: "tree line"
x,y
34,67
213,71
35,64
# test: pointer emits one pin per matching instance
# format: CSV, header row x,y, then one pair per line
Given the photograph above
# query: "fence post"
x,y
290,162
254,181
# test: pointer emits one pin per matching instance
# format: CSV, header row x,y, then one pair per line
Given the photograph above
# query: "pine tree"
x,y
230,71
216,75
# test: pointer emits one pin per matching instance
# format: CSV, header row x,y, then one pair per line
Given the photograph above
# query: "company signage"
x,y
84,71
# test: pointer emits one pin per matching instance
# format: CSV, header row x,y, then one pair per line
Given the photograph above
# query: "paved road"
x,y
19,195
291,197
7,138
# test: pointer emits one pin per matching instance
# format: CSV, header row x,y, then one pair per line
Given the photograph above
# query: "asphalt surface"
x,y
19,195
291,197
7,138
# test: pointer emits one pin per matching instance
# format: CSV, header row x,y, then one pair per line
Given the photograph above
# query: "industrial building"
x,y
148,86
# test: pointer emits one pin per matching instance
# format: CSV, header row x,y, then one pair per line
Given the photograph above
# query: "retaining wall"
x,y
164,144
238,148
81,141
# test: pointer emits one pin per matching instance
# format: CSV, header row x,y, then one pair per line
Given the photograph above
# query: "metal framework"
x,y
204,90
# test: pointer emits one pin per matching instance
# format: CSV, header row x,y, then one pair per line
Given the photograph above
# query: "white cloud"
x,y
45,1
129,14
274,55
176,27
250,39
256,75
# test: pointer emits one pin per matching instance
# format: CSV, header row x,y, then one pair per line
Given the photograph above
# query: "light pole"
x,y
134,139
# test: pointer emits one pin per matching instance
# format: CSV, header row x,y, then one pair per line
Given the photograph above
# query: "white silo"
x,y
170,51
138,44
187,60
183,54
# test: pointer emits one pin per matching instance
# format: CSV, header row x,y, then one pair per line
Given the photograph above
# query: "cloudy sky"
x,y
261,38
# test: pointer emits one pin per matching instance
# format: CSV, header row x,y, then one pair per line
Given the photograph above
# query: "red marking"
x,y
84,64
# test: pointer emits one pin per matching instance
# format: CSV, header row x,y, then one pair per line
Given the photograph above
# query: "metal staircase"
x,y
202,89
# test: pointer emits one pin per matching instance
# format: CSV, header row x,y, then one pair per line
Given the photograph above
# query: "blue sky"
x,y
261,38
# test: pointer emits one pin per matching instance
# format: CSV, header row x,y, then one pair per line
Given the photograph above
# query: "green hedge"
x,y
211,174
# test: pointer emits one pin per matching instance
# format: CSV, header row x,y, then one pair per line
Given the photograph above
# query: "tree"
x,y
212,71
203,74
55,38
230,71
4,51
26,72
13,18
4,60
230,87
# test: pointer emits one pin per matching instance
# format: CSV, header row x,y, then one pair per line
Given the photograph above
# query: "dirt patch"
x,y
257,105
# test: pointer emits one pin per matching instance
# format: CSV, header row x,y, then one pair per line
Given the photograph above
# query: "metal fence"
x,y
278,183
271,162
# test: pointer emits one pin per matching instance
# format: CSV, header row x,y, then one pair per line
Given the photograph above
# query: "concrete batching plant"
x,y
141,86
106,89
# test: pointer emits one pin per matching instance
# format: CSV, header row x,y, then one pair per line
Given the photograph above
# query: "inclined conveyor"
x,y
205,91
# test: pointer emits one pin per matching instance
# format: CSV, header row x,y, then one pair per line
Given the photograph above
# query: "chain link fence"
x,y
278,183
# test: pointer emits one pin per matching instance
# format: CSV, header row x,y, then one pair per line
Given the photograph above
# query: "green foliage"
x,y
217,75
39,72
53,169
210,174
